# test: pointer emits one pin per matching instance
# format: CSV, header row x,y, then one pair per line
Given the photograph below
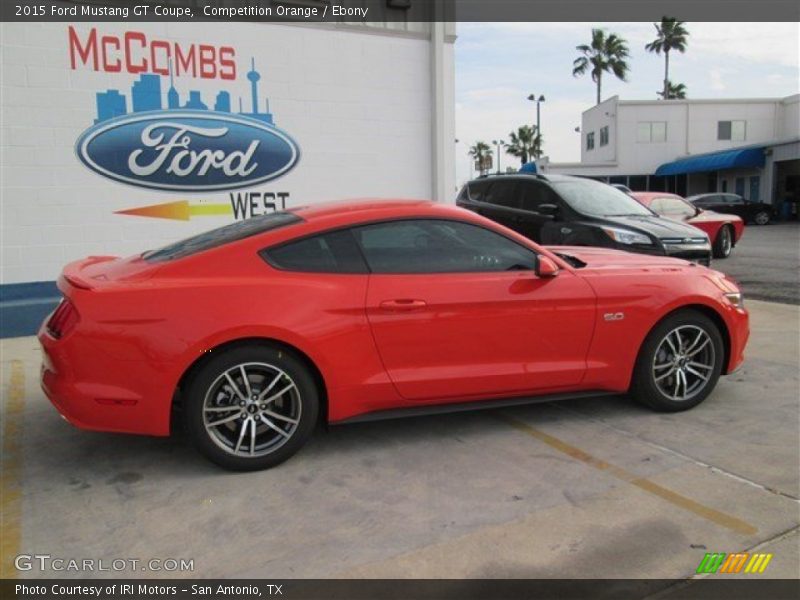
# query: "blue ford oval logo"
x,y
187,150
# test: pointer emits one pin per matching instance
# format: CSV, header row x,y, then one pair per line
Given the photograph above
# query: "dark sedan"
x,y
564,210
733,204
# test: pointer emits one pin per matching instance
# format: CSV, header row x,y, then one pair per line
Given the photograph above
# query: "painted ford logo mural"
x,y
190,151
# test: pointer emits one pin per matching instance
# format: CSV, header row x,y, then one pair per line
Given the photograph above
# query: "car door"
x,y
501,202
734,205
457,311
535,222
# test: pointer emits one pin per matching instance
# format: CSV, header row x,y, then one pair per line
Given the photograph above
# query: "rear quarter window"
x,y
332,252
222,235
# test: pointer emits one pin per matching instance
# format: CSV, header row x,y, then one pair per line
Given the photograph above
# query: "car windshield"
x,y
597,199
222,235
668,205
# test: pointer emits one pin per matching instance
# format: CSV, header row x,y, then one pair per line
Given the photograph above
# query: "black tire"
x,y
299,404
762,217
647,390
723,244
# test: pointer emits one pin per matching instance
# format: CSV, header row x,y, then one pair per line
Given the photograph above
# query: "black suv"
x,y
572,211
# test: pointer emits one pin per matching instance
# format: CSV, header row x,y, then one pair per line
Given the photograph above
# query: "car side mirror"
x,y
545,267
549,210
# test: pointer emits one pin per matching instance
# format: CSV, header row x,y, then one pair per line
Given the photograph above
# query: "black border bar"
x,y
709,588
380,11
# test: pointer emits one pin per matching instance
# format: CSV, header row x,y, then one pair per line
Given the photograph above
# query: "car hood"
x,y
595,257
659,227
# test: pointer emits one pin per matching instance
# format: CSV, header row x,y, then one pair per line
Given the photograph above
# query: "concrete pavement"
x,y
600,488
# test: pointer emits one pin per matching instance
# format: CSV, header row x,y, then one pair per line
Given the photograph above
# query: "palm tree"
x,y
606,53
526,143
677,91
480,151
671,36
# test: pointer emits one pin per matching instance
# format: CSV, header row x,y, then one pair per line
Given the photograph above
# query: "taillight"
x,y
63,319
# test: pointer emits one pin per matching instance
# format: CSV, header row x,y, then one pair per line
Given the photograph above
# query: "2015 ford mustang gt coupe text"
x,y
257,330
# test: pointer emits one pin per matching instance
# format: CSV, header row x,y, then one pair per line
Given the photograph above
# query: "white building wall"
x,y
357,103
691,129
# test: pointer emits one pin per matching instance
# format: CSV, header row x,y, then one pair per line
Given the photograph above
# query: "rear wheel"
x,y
251,407
762,217
724,242
680,362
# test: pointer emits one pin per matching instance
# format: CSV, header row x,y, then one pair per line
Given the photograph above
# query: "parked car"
x,y
724,230
621,187
759,213
373,309
559,209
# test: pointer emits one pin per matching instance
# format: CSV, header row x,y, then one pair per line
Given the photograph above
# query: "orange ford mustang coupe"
x,y
372,309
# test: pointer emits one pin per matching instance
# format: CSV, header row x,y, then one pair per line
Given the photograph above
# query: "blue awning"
x,y
528,167
716,161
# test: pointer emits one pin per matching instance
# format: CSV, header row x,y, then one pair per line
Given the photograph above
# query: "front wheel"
x,y
724,242
251,407
679,363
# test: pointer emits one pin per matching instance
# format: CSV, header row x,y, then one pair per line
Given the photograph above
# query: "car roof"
x,y
343,212
551,177
654,195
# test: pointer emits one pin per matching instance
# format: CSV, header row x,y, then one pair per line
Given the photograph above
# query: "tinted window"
x,y
596,199
334,252
439,246
731,199
503,193
533,195
477,190
222,235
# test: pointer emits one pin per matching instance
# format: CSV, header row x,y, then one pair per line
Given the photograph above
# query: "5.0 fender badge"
x,y
617,316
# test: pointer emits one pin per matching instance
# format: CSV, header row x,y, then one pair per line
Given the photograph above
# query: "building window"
x,y
604,136
651,132
755,188
590,140
731,130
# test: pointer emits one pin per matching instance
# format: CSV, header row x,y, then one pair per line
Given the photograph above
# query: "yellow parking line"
x,y
715,516
10,489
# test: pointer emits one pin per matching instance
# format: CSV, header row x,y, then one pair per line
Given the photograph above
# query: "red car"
x,y
373,309
724,231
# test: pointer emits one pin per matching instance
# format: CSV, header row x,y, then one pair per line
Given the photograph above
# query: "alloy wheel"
x,y
252,409
726,241
684,362
762,218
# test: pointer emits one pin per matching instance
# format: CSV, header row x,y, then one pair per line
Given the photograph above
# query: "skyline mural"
x,y
146,95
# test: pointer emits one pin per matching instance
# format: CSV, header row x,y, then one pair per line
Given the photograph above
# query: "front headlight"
x,y
624,236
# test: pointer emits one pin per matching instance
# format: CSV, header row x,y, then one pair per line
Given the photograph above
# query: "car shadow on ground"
x,y
127,456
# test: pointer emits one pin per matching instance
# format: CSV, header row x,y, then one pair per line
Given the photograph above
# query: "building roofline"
x,y
771,100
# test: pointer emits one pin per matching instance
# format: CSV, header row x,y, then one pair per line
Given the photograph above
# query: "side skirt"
x,y
438,409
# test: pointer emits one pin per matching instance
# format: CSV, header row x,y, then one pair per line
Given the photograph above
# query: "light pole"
x,y
498,144
539,100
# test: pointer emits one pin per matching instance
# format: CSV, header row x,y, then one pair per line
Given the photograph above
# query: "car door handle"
x,y
402,304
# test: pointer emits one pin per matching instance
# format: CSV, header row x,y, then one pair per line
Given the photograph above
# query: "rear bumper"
x,y
82,383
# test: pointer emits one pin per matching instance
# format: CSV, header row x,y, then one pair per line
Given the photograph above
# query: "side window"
x,y
533,195
477,190
439,246
733,199
334,252
503,193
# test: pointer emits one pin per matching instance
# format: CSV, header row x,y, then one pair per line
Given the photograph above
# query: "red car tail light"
x,y
63,319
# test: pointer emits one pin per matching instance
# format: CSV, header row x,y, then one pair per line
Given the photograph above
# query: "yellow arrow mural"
x,y
180,210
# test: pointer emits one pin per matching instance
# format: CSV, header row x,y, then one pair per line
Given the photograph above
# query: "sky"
x,y
499,64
